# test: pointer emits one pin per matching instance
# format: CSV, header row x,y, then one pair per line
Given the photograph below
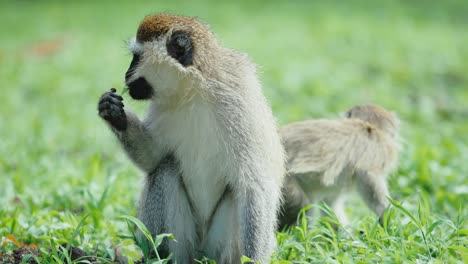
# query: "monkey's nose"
x,y
140,89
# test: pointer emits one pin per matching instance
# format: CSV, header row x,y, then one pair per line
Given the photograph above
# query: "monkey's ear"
x,y
179,46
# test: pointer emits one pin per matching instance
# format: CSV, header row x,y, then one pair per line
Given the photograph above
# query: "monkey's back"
x,y
324,149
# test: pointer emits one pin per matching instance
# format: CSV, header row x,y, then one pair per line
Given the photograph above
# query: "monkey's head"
x,y
377,116
170,56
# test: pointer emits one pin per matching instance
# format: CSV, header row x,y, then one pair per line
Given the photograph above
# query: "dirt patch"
x,y
28,254
78,254
19,255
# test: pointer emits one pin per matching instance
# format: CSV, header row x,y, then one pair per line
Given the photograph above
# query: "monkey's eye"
x,y
179,46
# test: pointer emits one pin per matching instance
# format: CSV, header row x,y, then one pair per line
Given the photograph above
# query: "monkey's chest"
x,y
204,190
196,138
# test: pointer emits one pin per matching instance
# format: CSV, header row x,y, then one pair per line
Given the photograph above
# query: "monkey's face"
x,y
163,58
139,88
158,66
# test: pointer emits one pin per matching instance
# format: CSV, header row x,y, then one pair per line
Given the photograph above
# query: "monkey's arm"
x,y
256,223
133,134
374,191
257,206
375,162
294,199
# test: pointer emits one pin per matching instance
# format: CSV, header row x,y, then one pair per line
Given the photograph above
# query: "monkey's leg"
x,y
153,203
257,206
181,223
374,192
337,204
294,199
164,208
133,134
223,233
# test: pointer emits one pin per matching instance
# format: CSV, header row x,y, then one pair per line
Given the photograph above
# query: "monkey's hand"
x,y
111,109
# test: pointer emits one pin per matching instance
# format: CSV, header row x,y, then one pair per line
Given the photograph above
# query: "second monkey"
x,y
327,158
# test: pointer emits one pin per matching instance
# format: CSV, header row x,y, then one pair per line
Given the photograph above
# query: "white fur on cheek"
x,y
162,77
134,46
161,71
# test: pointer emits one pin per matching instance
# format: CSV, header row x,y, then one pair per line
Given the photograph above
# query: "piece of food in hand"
x,y
124,90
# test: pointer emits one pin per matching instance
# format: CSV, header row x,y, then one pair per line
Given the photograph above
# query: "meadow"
x,y
64,178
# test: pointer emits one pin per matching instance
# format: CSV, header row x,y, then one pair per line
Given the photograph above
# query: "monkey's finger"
x,y
104,114
117,109
116,114
106,104
111,108
116,101
116,96
111,100
103,105
106,94
111,93
111,116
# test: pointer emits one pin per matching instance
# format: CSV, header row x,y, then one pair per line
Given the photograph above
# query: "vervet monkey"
x,y
327,158
209,144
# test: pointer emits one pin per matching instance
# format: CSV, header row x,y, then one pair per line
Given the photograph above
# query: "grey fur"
x,y
221,192
327,158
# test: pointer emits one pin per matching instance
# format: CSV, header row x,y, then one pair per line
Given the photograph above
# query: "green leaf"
x,y
77,231
140,226
124,90
434,225
144,230
245,259
160,237
405,212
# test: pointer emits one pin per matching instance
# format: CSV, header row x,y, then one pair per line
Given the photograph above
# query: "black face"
x,y
179,46
138,89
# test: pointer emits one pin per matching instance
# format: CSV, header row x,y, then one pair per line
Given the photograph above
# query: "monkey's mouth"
x,y
140,89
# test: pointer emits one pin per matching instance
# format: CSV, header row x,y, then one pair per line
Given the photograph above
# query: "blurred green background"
x,y
58,161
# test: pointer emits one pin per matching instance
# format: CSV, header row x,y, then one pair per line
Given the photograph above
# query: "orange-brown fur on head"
x,y
209,58
154,26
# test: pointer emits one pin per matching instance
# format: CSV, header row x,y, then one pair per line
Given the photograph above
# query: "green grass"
x,y
59,163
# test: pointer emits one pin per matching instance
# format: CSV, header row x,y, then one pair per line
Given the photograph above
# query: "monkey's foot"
x,y
111,109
